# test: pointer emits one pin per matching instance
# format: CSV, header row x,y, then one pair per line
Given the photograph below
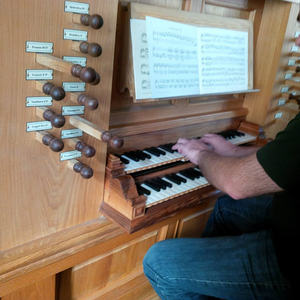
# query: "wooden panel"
x,y
110,273
194,225
130,287
241,4
39,194
44,289
164,3
267,55
289,109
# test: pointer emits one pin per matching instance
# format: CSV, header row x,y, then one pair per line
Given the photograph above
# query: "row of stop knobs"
x,y
58,121
58,93
57,145
87,75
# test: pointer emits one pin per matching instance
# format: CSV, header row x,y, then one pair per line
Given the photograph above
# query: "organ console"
x,y
155,182
95,160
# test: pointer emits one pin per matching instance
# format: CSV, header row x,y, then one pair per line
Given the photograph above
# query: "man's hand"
x,y
192,149
219,144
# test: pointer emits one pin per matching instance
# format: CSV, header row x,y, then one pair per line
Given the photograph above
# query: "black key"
x,y
179,178
153,151
193,173
174,180
132,155
161,151
187,174
146,155
140,154
153,185
156,151
167,147
164,183
142,190
198,172
160,183
124,160
168,184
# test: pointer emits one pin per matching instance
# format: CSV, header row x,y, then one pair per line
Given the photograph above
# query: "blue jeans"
x,y
234,260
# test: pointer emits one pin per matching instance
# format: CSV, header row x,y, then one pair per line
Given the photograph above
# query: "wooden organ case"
x,y
68,122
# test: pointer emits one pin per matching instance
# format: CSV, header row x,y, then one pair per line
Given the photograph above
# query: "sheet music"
x,y
172,58
140,55
223,60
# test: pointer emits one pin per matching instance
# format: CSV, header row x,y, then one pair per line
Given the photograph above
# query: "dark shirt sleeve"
x,y
281,158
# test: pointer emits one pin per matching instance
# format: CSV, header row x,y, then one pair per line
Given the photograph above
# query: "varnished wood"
x,y
41,289
44,197
267,51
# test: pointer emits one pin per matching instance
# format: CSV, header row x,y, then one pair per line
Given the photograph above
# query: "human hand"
x,y
219,144
191,148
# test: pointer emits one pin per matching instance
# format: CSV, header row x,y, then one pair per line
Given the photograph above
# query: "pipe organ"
x,y
89,179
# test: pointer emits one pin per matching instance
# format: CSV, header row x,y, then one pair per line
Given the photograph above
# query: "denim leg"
x,y
234,217
239,267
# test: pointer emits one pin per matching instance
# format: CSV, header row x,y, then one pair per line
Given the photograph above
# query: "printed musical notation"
x,y
140,53
223,60
173,59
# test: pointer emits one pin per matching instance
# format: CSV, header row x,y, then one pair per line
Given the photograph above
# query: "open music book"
x,y
172,59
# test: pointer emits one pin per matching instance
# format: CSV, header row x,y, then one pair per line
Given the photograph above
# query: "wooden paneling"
x,y
39,195
43,289
194,225
267,55
116,272
290,108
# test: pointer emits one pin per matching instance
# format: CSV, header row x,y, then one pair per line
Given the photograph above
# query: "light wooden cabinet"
x,y
194,225
116,274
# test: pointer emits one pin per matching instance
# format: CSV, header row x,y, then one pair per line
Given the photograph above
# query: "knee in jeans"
x,y
153,259
151,256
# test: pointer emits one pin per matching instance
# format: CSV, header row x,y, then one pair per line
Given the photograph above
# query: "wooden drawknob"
x,y
86,74
84,170
54,143
57,121
56,92
93,49
95,21
114,142
88,102
87,150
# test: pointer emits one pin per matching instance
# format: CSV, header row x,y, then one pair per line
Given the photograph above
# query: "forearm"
x,y
217,169
240,177
241,151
